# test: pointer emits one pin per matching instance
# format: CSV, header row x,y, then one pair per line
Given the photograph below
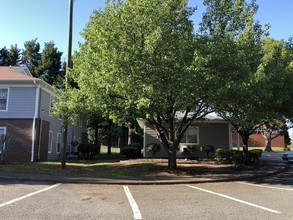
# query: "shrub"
x,y
131,152
238,159
224,155
286,149
191,148
254,156
153,148
138,146
207,149
87,150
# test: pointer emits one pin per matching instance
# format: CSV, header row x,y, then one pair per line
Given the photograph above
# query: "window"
x,y
50,142
58,143
2,138
190,136
3,99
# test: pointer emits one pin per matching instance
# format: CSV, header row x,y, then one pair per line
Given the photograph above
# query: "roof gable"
x,y
15,73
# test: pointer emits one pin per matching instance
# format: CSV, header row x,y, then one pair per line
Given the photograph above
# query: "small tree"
x,y
153,148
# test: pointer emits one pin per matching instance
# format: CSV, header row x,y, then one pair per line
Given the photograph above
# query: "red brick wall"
x,y
18,148
257,140
43,139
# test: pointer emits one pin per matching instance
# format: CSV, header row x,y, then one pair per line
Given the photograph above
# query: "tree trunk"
x,y
64,145
172,164
109,136
268,141
245,148
129,136
97,142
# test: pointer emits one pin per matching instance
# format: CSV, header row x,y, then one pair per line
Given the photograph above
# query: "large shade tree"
x,y
250,68
137,59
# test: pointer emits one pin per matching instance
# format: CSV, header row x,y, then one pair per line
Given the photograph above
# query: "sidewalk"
x,y
267,169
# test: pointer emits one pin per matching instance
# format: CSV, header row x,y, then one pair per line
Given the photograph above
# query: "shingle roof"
x,y
14,73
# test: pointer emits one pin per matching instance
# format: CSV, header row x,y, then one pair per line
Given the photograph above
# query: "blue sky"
x,y
47,20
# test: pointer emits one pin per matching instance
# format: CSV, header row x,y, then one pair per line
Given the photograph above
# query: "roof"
x,y
15,73
20,74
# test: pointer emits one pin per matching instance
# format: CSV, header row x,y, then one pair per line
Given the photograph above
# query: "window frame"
x,y
7,99
58,141
185,136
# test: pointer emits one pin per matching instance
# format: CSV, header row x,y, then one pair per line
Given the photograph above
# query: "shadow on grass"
x,y
106,168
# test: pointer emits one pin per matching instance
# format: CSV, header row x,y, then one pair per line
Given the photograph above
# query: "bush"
x,y
286,149
153,148
138,146
224,155
254,156
191,148
207,149
131,152
87,150
238,159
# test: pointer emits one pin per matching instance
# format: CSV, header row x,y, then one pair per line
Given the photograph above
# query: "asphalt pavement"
x,y
272,164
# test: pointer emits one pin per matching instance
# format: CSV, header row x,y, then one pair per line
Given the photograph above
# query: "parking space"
x,y
233,200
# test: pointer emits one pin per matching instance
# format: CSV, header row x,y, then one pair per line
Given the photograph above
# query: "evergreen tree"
x,y
31,56
3,56
14,56
49,66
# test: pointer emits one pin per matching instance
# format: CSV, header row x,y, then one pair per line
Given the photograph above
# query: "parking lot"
x,y
269,198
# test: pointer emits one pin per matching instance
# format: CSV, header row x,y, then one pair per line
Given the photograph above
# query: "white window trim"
x,y
197,138
7,100
50,142
4,128
50,106
58,134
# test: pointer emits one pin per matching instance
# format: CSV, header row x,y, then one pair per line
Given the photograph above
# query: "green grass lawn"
x,y
276,149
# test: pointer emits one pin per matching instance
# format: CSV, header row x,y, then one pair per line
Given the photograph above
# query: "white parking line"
x,y
134,207
237,200
270,187
28,195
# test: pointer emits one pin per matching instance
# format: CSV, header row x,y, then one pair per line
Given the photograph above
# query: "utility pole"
x,y
68,65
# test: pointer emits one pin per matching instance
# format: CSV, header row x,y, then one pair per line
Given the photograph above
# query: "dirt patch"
x,y
191,168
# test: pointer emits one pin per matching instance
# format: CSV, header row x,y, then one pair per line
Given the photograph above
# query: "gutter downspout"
x,y
37,102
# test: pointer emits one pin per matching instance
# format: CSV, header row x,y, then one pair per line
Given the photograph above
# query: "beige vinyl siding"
x,y
210,133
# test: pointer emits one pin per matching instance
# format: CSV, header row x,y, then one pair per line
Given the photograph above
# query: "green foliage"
x,y
136,145
49,65
153,148
192,148
238,159
31,56
223,155
86,148
10,57
131,152
254,156
148,44
207,149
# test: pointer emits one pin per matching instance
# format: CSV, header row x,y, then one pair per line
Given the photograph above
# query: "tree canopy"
x,y
145,60
137,60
